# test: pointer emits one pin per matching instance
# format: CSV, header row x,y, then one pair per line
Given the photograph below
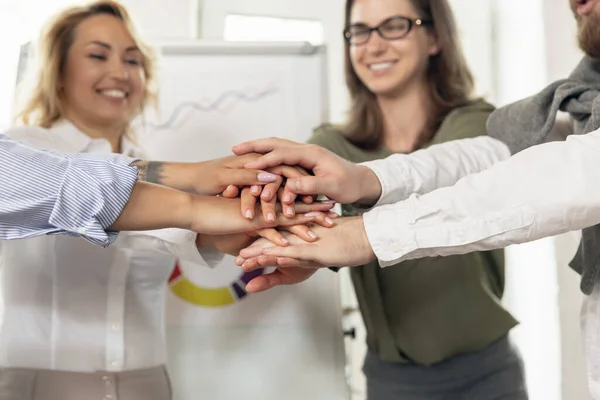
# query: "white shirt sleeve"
x,y
438,166
542,191
180,243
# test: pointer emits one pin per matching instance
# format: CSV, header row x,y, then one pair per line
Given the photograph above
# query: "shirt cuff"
x,y
395,180
387,244
91,197
180,243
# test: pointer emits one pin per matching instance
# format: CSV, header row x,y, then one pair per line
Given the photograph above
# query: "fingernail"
x,y
287,198
270,217
284,240
266,177
328,201
239,260
329,220
289,211
312,214
266,194
254,189
249,214
312,234
297,184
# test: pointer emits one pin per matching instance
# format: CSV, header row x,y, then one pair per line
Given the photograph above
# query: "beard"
x,y
588,34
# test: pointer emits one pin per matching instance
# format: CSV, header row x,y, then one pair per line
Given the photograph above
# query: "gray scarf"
x,y
528,122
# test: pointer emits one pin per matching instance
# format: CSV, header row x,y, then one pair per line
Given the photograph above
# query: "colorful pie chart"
x,y
201,296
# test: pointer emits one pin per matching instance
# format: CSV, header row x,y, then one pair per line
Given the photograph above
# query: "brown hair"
x,y
42,106
451,82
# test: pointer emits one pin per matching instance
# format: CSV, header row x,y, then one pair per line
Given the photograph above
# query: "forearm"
x,y
153,206
401,175
542,191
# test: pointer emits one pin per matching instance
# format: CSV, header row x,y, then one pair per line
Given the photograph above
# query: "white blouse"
x,y
70,305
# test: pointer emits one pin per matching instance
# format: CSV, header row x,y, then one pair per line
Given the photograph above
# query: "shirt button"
x,y
115,327
81,231
108,397
114,363
191,236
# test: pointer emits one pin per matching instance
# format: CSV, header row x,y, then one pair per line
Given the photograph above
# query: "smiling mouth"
x,y
114,93
380,66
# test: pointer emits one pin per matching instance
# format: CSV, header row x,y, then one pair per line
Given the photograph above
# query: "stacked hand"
x,y
260,202
270,187
345,244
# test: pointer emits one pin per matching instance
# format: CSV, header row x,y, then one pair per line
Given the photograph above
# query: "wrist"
x,y
180,176
363,245
370,187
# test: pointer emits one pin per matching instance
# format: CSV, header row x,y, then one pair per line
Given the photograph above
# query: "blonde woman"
x,y
79,321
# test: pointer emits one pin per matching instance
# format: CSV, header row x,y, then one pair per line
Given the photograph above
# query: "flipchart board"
x,y
223,343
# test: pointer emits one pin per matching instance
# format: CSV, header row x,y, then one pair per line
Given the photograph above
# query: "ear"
x,y
434,45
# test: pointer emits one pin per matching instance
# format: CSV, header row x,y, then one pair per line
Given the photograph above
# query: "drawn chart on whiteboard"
x,y
204,122
199,121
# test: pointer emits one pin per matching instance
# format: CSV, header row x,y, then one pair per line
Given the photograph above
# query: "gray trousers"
x,y
494,373
31,384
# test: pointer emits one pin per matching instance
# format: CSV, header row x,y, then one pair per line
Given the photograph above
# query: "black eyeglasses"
x,y
390,29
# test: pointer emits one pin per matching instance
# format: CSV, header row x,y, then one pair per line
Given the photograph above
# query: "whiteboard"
x,y
222,343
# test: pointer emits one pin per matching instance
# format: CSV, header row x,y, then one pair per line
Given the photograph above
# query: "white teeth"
x,y
114,93
380,66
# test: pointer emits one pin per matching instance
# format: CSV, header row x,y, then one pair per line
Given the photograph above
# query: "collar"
x,y
75,141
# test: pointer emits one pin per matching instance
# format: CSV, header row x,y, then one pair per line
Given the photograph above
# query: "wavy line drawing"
x,y
219,104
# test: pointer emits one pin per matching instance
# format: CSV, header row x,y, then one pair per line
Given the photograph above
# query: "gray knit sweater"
x,y
528,122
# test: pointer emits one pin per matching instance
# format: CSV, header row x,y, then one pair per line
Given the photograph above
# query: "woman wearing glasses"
x,y
435,326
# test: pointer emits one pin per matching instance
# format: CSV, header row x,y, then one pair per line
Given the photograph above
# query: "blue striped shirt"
x,y
42,192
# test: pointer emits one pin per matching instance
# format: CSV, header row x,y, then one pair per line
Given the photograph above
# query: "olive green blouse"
x,y
426,310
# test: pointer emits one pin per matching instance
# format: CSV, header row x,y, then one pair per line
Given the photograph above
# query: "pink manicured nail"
x,y
249,214
312,234
266,177
312,214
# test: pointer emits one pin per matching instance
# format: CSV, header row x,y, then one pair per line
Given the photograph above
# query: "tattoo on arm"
x,y
150,171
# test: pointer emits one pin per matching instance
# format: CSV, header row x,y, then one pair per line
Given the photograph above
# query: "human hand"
x,y
345,244
212,177
280,276
269,193
217,215
233,243
334,177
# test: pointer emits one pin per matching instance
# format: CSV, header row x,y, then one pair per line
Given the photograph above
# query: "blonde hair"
x,y
449,77
42,106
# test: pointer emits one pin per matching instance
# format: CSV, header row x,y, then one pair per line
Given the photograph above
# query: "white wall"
x,y
531,283
562,55
535,45
165,19
330,12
